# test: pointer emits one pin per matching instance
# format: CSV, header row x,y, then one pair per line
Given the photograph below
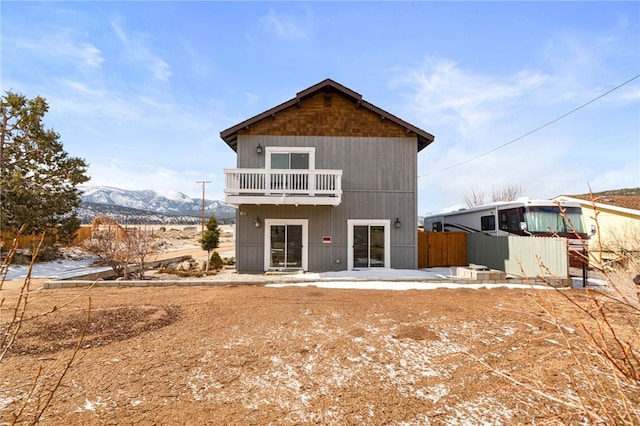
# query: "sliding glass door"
x,y
286,244
368,244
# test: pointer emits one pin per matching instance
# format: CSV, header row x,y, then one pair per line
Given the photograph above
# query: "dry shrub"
x,y
26,402
118,248
181,273
599,331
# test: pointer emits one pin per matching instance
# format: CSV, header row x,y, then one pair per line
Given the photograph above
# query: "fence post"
x,y
585,262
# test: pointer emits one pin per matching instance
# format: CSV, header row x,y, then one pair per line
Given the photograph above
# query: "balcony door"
x,y
369,244
286,244
283,163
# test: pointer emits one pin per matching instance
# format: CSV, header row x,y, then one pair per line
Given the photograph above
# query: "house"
x,y
618,221
325,181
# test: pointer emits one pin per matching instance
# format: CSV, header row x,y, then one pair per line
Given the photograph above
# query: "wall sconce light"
x,y
397,222
259,149
258,223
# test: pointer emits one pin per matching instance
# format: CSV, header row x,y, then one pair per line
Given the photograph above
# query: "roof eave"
x,y
230,135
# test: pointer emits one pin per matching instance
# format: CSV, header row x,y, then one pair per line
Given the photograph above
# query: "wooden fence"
x,y
31,241
442,249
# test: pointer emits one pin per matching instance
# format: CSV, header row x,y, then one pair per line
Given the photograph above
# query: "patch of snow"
x,y
434,393
58,269
173,195
393,279
91,405
402,285
591,282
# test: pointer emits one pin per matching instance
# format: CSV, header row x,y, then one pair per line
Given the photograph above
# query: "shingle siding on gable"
x,y
313,118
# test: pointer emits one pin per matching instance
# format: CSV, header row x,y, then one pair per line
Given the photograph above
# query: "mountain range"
x,y
148,206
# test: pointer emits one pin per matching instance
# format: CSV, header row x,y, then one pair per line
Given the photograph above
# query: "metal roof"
x,y
230,135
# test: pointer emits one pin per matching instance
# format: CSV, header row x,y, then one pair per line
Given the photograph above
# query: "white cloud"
x,y
117,29
471,113
138,52
198,62
83,88
289,26
251,99
627,176
61,45
442,92
90,55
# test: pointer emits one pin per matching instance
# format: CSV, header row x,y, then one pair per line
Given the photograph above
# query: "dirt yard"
x,y
255,355
261,355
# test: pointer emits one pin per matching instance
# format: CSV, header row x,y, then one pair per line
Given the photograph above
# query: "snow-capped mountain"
x,y
163,202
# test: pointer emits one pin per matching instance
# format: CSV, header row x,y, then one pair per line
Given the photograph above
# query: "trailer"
x,y
524,217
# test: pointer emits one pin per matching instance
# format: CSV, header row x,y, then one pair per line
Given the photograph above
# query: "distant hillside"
x,y
147,206
627,197
625,192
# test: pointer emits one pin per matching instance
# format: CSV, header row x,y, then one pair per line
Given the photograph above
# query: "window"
x,y
510,221
290,158
436,227
488,223
545,219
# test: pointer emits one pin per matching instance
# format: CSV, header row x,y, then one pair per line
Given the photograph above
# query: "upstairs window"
x,y
290,158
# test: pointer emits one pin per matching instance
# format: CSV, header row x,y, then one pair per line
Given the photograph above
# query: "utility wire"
x,y
532,131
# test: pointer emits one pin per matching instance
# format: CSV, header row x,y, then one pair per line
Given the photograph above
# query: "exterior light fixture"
x,y
258,223
397,222
259,149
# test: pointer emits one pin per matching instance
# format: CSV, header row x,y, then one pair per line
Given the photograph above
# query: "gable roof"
x,y
230,135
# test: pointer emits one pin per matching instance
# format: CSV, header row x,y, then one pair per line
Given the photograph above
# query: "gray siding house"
x,y
325,182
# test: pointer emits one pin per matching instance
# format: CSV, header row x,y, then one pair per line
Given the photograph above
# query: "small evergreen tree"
x,y
211,238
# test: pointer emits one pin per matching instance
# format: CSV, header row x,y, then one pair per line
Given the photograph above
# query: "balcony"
x,y
283,187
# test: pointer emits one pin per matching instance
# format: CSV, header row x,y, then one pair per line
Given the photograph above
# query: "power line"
x,y
532,131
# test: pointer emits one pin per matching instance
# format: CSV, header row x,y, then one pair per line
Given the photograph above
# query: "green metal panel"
x,y
520,256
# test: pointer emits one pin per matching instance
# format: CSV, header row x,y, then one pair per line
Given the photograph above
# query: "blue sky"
x,y
141,90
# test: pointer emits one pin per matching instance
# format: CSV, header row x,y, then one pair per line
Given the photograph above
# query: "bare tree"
x,y
475,197
507,193
622,243
140,245
108,243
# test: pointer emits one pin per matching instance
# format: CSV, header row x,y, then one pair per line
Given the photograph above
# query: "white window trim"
x,y
288,150
371,222
267,240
